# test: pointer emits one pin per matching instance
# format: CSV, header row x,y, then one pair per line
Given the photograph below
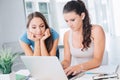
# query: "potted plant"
x,y
7,58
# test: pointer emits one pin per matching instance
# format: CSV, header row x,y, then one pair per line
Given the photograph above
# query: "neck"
x,y
78,32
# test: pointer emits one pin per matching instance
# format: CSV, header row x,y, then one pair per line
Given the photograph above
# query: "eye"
x,y
66,20
42,26
33,26
72,19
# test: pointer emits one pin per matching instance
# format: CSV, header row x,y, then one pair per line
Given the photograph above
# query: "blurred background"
x,y
13,15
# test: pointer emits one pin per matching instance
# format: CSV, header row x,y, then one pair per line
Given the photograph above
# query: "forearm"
x,y
90,64
65,64
44,51
37,50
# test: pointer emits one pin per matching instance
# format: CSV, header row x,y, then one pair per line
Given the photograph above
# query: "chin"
x,y
74,30
39,36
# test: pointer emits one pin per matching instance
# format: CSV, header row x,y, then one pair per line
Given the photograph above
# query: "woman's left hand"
x,y
73,70
46,35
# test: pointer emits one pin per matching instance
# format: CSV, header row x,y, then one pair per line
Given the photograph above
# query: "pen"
x,y
91,73
96,73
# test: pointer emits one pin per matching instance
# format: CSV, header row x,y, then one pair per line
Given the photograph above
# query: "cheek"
x,y
32,30
43,30
78,24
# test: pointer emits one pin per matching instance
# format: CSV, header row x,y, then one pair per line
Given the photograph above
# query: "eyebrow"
x,y
42,24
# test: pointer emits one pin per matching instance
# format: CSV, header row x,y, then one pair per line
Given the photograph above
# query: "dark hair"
x,y
79,7
48,41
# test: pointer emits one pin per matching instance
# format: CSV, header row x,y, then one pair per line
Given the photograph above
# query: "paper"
x,y
22,74
104,69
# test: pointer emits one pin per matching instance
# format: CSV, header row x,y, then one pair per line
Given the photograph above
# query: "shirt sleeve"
x,y
24,38
54,34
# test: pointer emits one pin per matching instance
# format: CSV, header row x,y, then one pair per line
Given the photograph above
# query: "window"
x,y
29,7
38,5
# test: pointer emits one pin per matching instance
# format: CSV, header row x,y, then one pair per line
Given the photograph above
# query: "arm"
x,y
44,51
99,46
25,44
67,56
54,48
27,49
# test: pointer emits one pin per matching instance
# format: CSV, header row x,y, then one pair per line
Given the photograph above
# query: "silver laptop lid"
x,y
44,67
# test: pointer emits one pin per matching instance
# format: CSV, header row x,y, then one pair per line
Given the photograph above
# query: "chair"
x,y
57,53
13,46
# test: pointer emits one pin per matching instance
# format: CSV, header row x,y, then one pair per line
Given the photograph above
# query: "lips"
x,y
38,35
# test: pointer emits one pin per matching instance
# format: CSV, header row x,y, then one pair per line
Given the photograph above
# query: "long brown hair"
x,y
79,7
48,41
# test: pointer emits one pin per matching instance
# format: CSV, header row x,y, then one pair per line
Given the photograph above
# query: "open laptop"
x,y
44,67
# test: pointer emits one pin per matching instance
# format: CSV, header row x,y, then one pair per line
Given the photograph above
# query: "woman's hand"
x,y
46,35
64,64
73,70
32,36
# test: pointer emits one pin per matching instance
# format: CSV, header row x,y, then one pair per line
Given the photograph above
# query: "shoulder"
x,y
66,35
54,34
97,31
24,38
24,35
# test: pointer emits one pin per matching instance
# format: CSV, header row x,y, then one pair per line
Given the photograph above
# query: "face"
x,y
73,20
37,27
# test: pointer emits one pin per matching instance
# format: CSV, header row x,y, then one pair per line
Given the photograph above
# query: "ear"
x,y
82,15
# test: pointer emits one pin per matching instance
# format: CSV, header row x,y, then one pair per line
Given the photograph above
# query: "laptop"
x,y
45,68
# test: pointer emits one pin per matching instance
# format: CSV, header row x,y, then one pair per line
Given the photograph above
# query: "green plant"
x,y
6,60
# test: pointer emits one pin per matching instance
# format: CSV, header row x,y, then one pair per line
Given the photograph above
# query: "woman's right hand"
x,y
64,64
32,36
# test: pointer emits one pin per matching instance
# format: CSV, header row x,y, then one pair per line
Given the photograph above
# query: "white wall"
x,y
113,49
12,20
116,15
1,37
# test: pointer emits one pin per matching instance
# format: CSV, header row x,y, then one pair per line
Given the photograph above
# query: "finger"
x,y
69,72
67,69
75,72
48,31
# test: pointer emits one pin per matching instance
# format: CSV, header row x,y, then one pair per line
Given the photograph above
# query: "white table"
x,y
89,76
84,77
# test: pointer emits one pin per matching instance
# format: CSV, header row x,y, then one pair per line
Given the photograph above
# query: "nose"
x,y
38,31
